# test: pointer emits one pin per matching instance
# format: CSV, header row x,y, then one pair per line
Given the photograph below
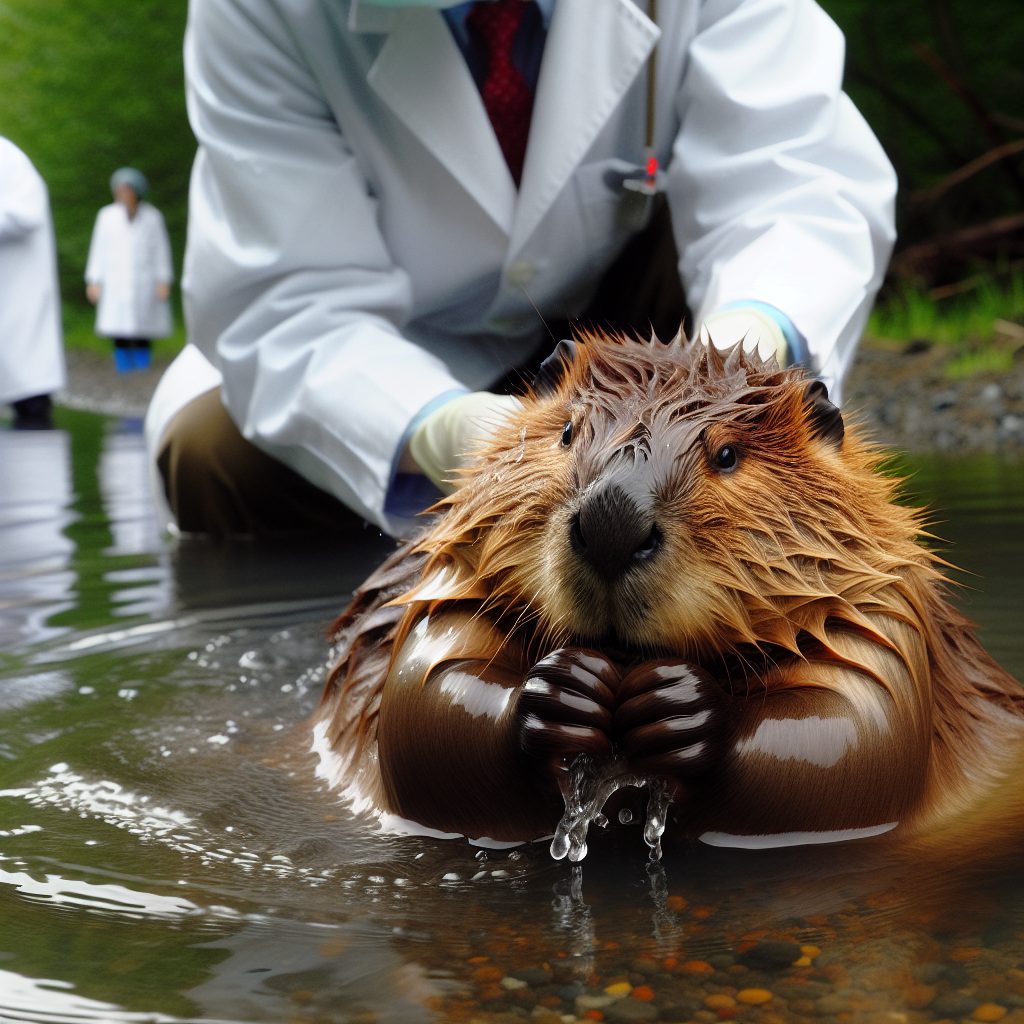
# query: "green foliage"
x,y
79,333
986,360
927,130
911,313
89,86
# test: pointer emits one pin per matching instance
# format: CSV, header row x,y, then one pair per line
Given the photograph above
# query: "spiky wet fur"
x,y
804,534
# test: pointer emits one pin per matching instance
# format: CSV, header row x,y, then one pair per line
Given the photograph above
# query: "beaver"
x,y
684,558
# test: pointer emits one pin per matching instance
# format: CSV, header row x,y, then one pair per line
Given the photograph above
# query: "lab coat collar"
x,y
421,75
593,53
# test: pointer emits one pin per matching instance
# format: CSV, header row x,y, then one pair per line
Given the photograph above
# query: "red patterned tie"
x,y
508,101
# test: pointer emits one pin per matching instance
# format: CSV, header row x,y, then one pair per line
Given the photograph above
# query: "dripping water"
x,y
590,782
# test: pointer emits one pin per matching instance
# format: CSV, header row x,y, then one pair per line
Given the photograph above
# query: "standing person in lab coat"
x,y
31,342
382,196
129,271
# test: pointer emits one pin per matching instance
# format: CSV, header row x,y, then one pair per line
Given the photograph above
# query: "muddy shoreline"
x,y
902,394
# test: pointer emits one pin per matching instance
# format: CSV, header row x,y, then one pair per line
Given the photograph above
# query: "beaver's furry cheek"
x,y
687,610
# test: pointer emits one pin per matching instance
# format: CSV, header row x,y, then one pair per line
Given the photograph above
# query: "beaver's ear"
x,y
825,420
554,368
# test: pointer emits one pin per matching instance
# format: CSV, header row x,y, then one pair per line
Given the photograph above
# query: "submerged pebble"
x,y
753,996
719,1002
772,953
619,989
698,967
594,1002
989,1012
532,975
953,1004
631,1010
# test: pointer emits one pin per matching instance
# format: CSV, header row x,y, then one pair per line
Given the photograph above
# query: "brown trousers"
x,y
219,484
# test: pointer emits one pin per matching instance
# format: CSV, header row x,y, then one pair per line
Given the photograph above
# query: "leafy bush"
x,y
88,86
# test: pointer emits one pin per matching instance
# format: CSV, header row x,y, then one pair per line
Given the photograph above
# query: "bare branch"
x,y
929,195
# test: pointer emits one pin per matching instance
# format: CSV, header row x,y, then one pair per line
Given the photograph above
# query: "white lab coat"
x,y
357,246
128,258
31,341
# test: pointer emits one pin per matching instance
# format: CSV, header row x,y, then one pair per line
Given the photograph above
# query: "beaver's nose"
x,y
614,531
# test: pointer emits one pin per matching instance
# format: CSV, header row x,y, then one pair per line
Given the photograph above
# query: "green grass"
x,y
79,334
986,360
969,317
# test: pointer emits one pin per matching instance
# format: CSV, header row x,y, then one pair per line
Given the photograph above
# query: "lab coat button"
x,y
520,273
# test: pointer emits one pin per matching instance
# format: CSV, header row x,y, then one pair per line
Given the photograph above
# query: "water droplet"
x,y
559,845
625,816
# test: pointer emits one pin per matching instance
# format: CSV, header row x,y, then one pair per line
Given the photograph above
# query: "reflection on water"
x,y
166,851
978,506
35,485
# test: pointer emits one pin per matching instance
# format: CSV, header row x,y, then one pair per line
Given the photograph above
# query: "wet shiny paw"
x,y
670,719
565,706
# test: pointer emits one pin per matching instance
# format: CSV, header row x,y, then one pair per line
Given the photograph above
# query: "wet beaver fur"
x,y
684,558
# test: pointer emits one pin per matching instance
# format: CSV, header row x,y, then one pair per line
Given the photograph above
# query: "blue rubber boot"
x,y
141,356
123,360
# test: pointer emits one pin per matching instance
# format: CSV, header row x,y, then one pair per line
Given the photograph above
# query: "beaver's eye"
x,y
725,458
567,434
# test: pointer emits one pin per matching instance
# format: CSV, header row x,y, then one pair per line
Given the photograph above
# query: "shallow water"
x,y
167,853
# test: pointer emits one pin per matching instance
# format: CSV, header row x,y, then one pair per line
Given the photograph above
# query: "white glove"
x,y
445,440
752,327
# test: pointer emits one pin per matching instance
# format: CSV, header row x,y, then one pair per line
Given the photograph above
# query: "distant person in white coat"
x,y
381,198
31,343
129,272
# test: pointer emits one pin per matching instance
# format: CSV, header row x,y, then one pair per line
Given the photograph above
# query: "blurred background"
x,y
89,85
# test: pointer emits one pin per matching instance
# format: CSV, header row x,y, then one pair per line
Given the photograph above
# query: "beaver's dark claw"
x,y
565,706
670,719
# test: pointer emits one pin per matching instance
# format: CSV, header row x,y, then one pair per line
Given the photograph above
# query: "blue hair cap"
x,y
134,179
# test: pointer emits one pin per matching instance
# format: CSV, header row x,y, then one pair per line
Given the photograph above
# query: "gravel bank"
x,y
905,400
95,386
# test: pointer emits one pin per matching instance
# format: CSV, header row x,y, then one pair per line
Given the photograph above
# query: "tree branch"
x,y
929,195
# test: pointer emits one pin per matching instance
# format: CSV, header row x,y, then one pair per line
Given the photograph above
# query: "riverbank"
x,y
915,396
95,386
906,395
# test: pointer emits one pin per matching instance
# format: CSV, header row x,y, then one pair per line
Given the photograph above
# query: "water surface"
x,y
167,853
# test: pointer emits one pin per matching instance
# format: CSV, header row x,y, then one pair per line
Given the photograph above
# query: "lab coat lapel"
x,y
422,76
594,51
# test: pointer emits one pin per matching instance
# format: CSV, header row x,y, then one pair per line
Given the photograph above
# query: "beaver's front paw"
x,y
565,707
671,719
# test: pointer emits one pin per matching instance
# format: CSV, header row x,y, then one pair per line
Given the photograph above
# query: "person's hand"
x,y
670,720
93,292
163,291
566,707
444,441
